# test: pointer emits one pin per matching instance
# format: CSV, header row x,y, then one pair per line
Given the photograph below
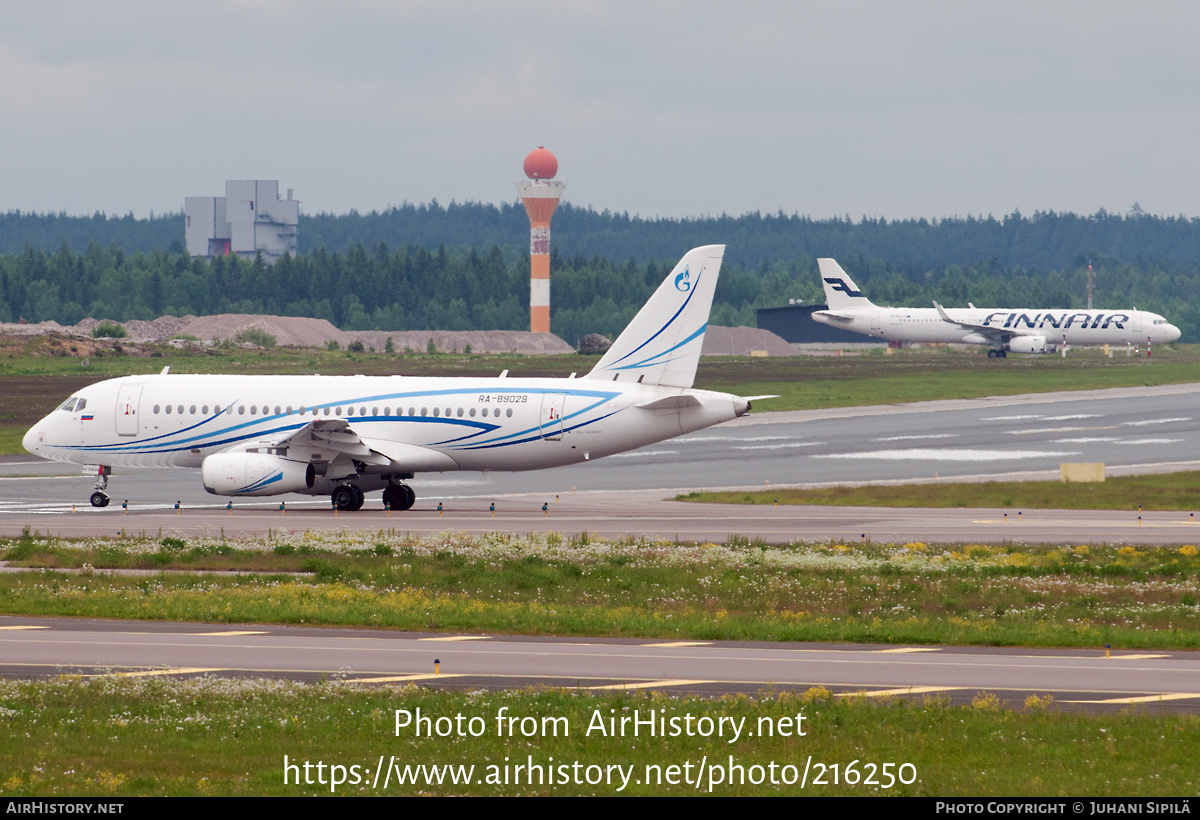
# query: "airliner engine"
x,y
255,474
1029,344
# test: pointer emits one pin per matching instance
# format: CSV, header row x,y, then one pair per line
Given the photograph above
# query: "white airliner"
x,y
344,436
1020,330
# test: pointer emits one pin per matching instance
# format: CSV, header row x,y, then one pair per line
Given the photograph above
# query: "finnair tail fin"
x,y
662,343
840,290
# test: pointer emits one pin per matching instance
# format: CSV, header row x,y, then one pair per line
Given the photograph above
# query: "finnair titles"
x,y
344,436
1019,331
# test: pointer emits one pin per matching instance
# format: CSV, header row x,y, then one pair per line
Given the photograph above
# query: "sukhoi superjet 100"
x,y
344,436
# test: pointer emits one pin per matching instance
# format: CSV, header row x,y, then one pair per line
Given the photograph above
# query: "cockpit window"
x,y
69,404
82,403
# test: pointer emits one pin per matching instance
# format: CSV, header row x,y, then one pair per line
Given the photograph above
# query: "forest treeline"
x,y
1043,241
412,287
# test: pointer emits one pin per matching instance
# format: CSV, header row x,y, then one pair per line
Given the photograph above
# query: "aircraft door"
x,y
875,320
128,400
553,405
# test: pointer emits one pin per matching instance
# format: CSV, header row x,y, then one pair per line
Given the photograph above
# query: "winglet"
x,y
942,312
662,343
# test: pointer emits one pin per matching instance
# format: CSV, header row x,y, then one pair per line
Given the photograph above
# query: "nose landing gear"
x,y
100,498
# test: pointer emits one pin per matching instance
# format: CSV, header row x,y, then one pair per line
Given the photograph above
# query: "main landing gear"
x,y
348,498
100,498
997,354
399,497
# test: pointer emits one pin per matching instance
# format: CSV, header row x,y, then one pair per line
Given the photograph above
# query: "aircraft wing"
x,y
337,435
992,333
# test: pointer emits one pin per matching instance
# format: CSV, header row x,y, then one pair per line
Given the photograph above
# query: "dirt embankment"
x,y
297,331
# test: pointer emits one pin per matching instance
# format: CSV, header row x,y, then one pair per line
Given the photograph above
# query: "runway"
x,y
1132,430
33,647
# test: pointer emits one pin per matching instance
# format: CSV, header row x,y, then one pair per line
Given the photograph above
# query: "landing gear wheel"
x,y
99,499
399,497
992,354
343,498
359,497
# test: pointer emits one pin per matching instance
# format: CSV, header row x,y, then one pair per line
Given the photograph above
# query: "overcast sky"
x,y
659,109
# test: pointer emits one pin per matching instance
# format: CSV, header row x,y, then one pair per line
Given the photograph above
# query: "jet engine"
x,y
1029,344
255,474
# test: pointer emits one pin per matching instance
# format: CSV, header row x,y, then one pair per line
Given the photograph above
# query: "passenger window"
x,y
204,409
338,411
422,412
412,411
156,409
277,409
374,411
459,413
362,411
192,410
349,411
509,413
327,411
472,412
180,409
437,411
168,409
217,409
241,409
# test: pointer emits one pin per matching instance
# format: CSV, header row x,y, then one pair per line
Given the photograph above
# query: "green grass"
x,y
551,585
1169,491
107,736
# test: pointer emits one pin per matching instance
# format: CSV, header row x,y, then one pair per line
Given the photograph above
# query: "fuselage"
x,y
423,424
1076,327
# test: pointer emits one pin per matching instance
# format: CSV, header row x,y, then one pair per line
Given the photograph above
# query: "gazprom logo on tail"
x,y
682,283
840,285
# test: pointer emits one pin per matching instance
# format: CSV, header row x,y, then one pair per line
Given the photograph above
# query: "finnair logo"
x,y
681,281
840,285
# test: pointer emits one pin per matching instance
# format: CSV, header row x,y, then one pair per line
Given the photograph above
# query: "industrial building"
x,y
250,219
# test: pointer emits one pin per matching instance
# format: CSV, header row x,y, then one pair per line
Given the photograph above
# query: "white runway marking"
x,y
1009,418
911,438
1150,441
923,454
780,446
1154,421
635,453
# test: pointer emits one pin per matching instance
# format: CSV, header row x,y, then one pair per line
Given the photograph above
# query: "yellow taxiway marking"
x,y
678,643
910,690
226,634
23,627
458,638
649,684
906,649
403,678
1143,698
153,673
1137,657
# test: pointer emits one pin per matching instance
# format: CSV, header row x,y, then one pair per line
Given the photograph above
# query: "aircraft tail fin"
x,y
840,290
662,343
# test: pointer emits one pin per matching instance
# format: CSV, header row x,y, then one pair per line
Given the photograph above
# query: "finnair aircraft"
x,y
1020,330
344,436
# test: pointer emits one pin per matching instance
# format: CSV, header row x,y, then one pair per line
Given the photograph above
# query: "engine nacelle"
x,y
1029,344
255,474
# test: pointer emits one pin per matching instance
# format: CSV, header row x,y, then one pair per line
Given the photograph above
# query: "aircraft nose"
x,y
1174,333
30,440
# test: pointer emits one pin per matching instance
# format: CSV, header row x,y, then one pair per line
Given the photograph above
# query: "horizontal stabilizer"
x,y
671,403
